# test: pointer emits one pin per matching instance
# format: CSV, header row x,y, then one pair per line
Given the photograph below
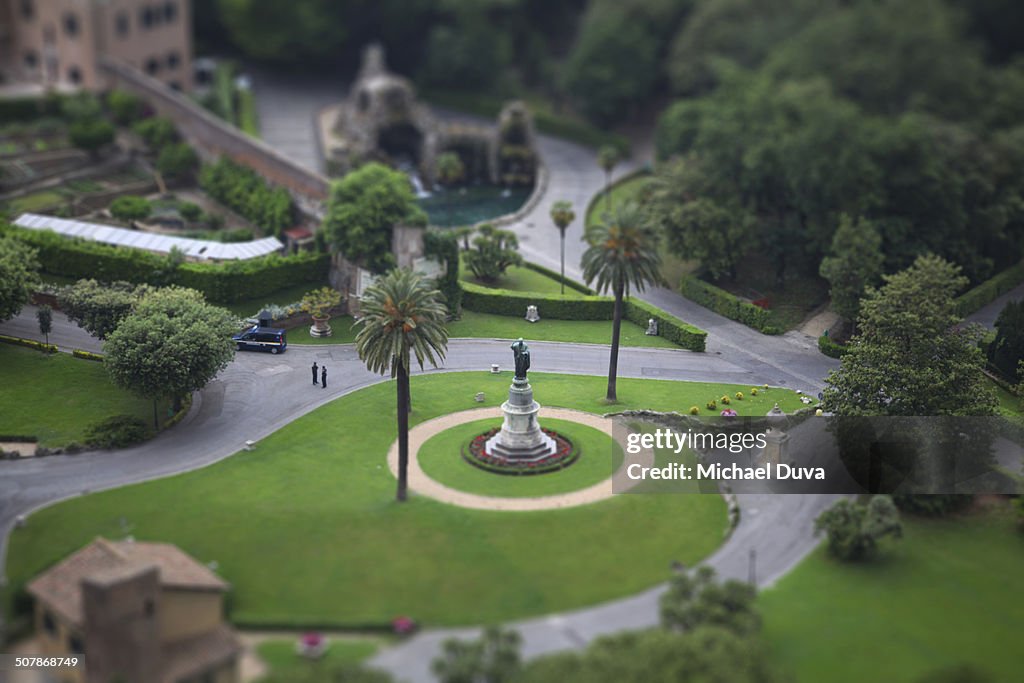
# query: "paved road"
x,y
987,315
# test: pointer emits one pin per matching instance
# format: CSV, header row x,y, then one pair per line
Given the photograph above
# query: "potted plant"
x,y
319,303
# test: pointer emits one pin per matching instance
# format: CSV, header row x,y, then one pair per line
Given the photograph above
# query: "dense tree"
x,y
286,32
130,208
853,264
450,169
910,357
44,316
363,209
91,134
19,273
623,254
494,251
468,52
492,658
99,308
177,160
707,654
696,599
562,216
402,314
172,344
854,529
1007,349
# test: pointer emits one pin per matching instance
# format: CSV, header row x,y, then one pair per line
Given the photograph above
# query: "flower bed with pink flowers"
x,y
565,454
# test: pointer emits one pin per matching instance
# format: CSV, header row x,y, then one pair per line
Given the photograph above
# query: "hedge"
x,y
220,282
989,290
87,355
557,277
506,302
830,348
29,108
729,305
29,343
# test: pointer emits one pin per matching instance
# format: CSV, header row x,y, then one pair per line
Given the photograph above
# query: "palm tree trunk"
x,y
403,432
613,361
563,263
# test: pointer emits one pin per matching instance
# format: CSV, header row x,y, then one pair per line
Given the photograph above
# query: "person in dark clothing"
x,y
323,376
315,368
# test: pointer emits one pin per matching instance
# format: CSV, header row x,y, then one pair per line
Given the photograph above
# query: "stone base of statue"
x,y
520,438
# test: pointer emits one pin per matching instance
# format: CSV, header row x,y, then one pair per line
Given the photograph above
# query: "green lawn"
x,y
522,279
57,397
950,592
36,202
283,663
440,457
306,529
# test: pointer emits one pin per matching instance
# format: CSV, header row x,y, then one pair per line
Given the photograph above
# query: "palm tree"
x,y
623,253
401,313
562,214
607,158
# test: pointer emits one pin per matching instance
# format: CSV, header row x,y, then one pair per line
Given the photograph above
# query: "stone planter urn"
x,y
320,328
319,304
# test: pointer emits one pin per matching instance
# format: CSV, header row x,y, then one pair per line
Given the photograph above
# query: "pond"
x,y
455,207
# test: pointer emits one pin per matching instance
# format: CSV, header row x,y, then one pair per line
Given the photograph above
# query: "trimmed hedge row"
x,y
830,348
557,277
509,303
989,290
729,305
219,282
87,355
29,343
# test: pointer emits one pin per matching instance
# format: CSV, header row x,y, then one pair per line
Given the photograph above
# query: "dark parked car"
x,y
261,339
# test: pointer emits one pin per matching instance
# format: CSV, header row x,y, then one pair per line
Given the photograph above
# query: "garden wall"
x,y
213,136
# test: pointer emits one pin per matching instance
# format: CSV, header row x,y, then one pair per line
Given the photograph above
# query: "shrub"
x,y
221,282
729,305
131,208
119,431
753,391
245,191
725,400
694,410
125,107
189,211
830,348
87,355
669,327
987,292
932,505
711,405
494,251
739,395
319,302
156,132
91,134
177,160
29,343
854,529
444,246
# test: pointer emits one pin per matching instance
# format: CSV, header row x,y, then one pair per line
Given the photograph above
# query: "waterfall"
x,y
414,179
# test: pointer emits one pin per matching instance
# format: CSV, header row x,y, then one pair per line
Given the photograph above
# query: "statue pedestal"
x,y
520,438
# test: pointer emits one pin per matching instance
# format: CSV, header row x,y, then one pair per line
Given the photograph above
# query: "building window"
x,y
28,10
152,66
121,23
75,75
31,59
173,60
148,608
147,17
71,24
75,645
170,12
49,625
175,85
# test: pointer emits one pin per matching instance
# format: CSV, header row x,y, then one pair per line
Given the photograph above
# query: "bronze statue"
x,y
521,353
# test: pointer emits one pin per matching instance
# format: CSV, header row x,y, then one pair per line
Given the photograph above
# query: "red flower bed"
x,y
475,454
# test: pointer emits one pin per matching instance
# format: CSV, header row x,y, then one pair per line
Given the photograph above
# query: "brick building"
x,y
138,612
58,43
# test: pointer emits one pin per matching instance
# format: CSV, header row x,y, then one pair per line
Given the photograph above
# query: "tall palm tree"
x,y
607,158
623,253
562,215
401,313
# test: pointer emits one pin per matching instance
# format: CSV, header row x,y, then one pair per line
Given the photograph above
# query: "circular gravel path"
x,y
421,483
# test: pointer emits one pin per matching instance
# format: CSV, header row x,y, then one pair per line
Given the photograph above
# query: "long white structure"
x,y
206,250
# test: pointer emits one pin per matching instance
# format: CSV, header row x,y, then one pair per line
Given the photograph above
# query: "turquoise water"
x,y
465,206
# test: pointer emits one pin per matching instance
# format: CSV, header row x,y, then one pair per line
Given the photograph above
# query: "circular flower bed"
x,y
565,454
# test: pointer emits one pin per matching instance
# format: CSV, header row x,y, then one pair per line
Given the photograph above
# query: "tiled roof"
x,y
60,586
187,659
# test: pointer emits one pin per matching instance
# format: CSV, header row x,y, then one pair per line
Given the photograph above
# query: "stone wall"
x,y
211,136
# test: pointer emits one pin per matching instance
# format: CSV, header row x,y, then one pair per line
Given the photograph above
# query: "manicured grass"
x,y
35,202
57,397
441,458
490,326
950,592
1009,405
521,279
284,663
306,529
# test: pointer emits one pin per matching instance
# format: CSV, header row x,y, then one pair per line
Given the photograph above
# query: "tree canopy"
x,y
99,308
854,529
362,210
19,272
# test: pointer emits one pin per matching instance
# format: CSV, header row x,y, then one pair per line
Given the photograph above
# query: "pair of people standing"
x,y
323,374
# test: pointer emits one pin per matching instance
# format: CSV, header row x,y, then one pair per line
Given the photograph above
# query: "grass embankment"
x,y
950,592
306,529
57,397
